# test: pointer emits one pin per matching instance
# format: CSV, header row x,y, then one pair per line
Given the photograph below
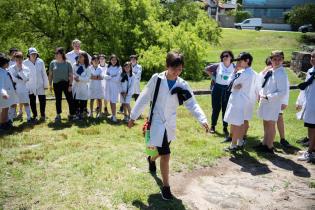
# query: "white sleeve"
x,y
285,99
44,75
302,97
282,86
2,88
144,98
131,86
194,108
138,74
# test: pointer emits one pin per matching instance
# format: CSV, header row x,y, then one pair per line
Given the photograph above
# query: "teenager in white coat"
x,y
7,92
103,66
20,76
38,82
113,78
80,85
137,71
240,104
164,113
274,89
127,89
96,87
306,105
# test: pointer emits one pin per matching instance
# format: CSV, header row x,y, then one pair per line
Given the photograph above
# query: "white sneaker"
x,y
113,118
306,156
301,152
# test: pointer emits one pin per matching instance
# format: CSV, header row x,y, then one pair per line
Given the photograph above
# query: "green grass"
x,y
98,165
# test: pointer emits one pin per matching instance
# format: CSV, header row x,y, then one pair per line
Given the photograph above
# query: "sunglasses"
x,y
225,56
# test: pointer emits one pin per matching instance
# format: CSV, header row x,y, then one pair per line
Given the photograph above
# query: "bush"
x,y
308,38
241,15
301,15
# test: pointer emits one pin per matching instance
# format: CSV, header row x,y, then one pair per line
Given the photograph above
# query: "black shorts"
x,y
309,125
165,149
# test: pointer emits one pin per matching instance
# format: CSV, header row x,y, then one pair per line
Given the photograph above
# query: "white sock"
x,y
12,113
240,142
28,112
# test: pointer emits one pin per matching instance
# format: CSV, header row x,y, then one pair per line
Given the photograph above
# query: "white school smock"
x,y
96,87
128,87
164,113
80,89
20,77
137,70
70,56
6,88
253,95
38,80
275,89
113,78
105,82
307,100
224,73
240,99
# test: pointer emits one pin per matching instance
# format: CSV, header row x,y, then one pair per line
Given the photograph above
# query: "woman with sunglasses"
x,y
221,73
60,80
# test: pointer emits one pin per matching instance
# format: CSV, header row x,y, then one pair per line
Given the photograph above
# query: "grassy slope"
x,y
98,165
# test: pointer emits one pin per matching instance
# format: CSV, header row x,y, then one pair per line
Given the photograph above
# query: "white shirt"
x,y
137,70
70,56
224,73
164,113
80,89
6,88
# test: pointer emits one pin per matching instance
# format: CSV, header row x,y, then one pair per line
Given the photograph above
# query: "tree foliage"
x,y
123,27
302,14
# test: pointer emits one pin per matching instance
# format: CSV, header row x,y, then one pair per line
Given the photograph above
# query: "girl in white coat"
x,y
306,105
103,66
172,92
137,71
96,86
80,86
274,89
240,104
7,92
113,78
20,76
37,83
127,89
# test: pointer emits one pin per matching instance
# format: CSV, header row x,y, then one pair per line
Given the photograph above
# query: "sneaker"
x,y
301,152
19,116
231,148
126,119
241,144
113,119
152,166
305,156
29,121
212,129
90,114
166,193
226,131
58,118
34,119
227,139
304,140
306,144
285,143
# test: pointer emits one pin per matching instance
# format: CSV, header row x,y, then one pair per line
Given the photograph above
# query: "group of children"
x,y
78,75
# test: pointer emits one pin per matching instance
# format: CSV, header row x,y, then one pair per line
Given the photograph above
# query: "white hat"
x,y
32,50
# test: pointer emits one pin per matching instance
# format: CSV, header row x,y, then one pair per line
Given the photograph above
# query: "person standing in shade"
x,y
37,83
220,95
306,105
274,90
20,76
172,91
60,80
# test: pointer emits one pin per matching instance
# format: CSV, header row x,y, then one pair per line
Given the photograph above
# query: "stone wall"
x,y
300,62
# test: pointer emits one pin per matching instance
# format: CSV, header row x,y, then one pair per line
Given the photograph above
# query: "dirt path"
x,y
245,183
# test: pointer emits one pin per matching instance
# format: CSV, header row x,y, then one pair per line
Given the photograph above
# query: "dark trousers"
x,y
220,97
42,104
80,106
60,87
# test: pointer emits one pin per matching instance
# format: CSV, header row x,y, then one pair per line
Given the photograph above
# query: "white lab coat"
x,y
113,78
38,80
105,82
6,88
137,70
80,89
128,87
96,87
276,90
307,100
70,56
253,95
240,101
164,113
20,77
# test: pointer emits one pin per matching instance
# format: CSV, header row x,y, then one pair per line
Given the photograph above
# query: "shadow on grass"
x,y
288,150
155,201
18,129
279,161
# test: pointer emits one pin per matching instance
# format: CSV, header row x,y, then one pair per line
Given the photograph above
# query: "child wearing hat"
x,y
273,91
242,99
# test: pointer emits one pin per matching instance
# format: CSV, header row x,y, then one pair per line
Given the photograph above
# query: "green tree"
x,y
302,14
